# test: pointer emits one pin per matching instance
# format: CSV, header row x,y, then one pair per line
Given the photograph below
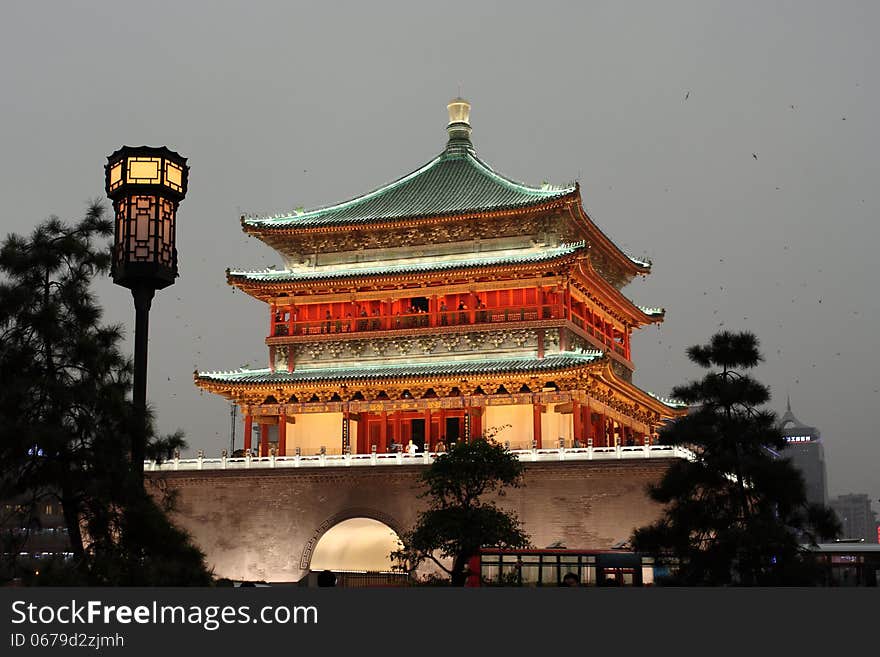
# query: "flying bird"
x,y
755,155
687,95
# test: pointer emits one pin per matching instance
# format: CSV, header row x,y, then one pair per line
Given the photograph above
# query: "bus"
x,y
548,567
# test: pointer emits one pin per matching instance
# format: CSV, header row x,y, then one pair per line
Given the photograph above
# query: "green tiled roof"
x,y
455,182
654,312
560,361
437,263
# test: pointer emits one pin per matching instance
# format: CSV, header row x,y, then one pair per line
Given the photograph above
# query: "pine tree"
x,y
460,521
737,512
65,416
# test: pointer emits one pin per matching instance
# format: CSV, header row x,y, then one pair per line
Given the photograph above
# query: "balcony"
x,y
367,325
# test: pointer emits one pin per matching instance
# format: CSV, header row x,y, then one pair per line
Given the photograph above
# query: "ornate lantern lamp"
x,y
146,184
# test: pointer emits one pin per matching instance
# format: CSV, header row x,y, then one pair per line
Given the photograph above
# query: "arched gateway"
x,y
355,539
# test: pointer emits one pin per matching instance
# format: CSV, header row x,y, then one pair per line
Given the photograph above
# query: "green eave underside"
x,y
671,403
652,312
455,182
513,257
561,361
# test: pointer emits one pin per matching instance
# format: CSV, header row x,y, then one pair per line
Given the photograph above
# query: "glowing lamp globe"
x,y
146,184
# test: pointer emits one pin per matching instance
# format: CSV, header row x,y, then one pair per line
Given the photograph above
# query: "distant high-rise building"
x,y
806,453
855,514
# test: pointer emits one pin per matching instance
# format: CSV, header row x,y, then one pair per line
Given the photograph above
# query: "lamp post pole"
x,y
231,429
146,184
143,297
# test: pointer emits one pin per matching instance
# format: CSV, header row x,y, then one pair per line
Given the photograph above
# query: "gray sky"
x,y
280,105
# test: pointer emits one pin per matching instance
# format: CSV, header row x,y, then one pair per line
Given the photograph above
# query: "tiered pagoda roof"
x,y
456,182
466,218
465,367
539,254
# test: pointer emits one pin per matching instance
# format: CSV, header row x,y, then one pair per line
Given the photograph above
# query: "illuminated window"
x,y
116,175
173,176
144,170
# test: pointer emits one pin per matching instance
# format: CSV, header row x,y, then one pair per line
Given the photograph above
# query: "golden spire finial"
x,y
459,111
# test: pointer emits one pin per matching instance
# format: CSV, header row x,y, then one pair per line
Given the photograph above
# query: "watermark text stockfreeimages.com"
x,y
209,617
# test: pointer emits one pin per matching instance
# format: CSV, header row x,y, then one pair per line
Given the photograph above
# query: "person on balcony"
x,y
481,311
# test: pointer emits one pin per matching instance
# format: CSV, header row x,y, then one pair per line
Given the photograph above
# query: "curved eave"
x,y
629,264
665,410
267,230
457,373
614,297
265,290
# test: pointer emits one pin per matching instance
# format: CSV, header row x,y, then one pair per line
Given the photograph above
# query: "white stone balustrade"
x,y
558,455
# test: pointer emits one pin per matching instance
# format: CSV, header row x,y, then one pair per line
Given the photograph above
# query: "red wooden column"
x,y
362,447
576,418
248,422
441,435
568,301
383,433
282,434
477,421
536,423
432,310
264,439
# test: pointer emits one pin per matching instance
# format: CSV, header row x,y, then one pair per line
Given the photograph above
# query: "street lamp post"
x,y
146,184
232,408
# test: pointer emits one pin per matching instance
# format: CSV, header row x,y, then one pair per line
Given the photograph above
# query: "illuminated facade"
x,y
447,302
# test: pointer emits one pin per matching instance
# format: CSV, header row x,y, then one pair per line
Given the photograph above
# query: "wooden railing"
x,y
442,318
456,317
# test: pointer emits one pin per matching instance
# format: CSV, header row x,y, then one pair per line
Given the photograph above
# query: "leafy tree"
x,y
736,512
459,521
65,418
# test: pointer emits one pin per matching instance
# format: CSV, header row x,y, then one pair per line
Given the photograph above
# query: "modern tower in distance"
x,y
806,453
